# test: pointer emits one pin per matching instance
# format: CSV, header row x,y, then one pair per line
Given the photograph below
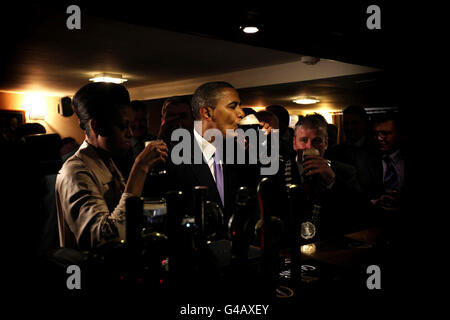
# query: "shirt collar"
x,y
207,148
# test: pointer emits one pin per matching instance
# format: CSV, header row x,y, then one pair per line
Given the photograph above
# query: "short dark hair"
x,y
269,117
357,110
207,95
282,115
138,105
248,111
174,100
100,101
386,116
332,130
313,121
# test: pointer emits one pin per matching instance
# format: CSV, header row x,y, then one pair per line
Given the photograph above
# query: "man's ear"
x,y
205,113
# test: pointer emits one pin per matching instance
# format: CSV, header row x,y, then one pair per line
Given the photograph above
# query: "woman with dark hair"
x,y
90,190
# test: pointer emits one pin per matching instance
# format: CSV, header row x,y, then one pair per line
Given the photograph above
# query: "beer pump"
x,y
239,225
293,221
200,196
268,208
134,209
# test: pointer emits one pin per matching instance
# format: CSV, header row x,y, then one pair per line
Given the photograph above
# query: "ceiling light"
x,y
257,109
306,100
108,77
250,29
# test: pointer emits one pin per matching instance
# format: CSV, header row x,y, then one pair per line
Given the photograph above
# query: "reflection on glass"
x,y
308,249
154,213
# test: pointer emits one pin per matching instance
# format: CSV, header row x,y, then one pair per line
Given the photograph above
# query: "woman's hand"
x,y
155,152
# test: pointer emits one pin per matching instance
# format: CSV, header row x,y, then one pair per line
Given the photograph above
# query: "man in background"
x,y
359,151
175,113
331,185
139,127
389,141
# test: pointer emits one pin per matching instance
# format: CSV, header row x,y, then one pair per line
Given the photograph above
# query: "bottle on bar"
x,y
134,224
200,193
293,227
239,234
176,243
270,251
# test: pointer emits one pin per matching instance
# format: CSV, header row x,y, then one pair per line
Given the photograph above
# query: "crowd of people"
x,y
346,184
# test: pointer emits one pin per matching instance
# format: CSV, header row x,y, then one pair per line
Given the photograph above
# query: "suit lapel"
x,y
203,175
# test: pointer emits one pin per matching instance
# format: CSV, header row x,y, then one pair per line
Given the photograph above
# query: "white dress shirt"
x,y
208,150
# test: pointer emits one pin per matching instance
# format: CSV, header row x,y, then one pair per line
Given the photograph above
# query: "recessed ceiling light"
x,y
306,100
250,29
108,77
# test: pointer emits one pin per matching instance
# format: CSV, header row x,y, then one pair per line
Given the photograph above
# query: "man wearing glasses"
x,y
389,140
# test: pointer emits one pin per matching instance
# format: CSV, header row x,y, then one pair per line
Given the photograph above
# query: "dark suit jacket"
x,y
186,176
367,162
344,206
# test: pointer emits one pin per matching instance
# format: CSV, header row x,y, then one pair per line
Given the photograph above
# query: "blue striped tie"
x,y
390,177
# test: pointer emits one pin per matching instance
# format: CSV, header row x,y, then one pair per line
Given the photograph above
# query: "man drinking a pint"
x,y
331,189
216,108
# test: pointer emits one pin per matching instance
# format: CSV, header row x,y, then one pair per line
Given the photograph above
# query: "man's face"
x,y
119,142
354,127
307,138
139,124
180,115
386,136
227,112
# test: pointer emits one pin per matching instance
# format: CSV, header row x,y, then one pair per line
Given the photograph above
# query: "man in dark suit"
x,y
332,192
392,161
176,113
359,151
216,109
186,175
198,158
